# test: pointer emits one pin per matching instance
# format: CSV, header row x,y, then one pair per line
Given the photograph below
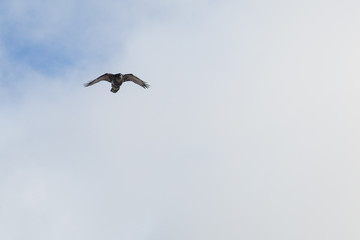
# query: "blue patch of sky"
x,y
42,57
51,56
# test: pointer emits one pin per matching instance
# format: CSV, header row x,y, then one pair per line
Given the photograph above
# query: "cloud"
x,y
249,129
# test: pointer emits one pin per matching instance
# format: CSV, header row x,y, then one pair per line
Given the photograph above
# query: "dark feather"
x,y
135,79
104,77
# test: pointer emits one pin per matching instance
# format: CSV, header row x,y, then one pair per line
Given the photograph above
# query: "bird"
x,y
117,80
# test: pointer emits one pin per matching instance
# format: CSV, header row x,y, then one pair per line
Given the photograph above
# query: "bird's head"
x,y
114,89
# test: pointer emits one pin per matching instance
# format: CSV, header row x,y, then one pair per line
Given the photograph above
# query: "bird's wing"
x,y
104,77
133,78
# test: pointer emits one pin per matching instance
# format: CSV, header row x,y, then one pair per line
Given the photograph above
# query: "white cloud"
x,y
248,131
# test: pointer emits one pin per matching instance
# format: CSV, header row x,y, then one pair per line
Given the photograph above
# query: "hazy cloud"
x,y
249,129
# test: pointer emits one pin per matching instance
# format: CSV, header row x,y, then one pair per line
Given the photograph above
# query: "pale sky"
x,y
250,129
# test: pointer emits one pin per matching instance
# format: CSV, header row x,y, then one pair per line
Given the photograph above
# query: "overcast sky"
x,y
250,129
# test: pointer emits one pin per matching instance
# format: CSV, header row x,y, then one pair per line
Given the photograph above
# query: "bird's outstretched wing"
x,y
133,78
104,77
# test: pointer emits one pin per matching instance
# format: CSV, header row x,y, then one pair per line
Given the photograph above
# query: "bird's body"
x,y
117,80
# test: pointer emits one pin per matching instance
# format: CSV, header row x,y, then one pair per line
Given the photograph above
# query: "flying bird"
x,y
117,79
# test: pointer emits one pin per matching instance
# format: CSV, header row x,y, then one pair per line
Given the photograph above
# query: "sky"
x,y
250,129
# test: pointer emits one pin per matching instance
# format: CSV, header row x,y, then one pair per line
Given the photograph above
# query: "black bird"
x,y
117,79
